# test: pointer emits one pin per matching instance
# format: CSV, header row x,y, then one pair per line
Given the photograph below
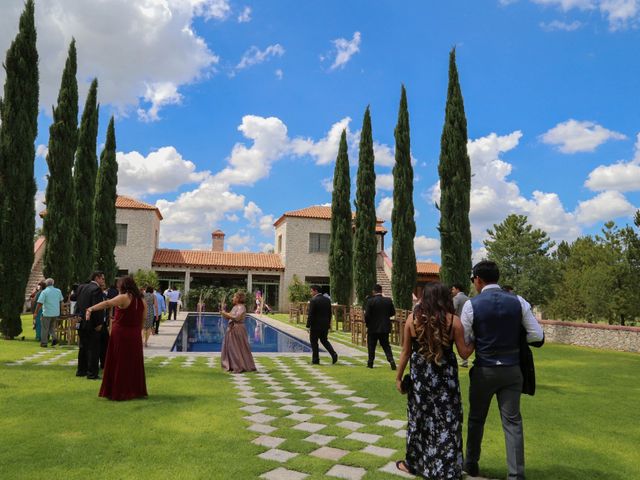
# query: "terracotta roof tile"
x,y
321,212
129,203
428,268
217,260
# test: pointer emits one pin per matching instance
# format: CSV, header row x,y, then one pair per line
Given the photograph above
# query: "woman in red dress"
x,y
123,377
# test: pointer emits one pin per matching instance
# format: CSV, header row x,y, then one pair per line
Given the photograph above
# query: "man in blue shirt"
x,y
50,301
162,307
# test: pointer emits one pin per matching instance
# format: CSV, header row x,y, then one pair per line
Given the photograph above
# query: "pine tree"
x,y
455,187
59,222
18,130
84,180
340,253
105,233
365,243
403,226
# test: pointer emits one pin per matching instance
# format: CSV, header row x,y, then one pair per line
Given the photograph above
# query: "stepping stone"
x,y
327,407
300,383
355,399
378,451
280,394
251,400
309,427
392,423
377,413
319,400
344,392
300,417
260,428
364,437
277,389
267,441
401,433
253,409
312,393
350,473
329,453
293,408
393,470
285,401
260,418
248,393
339,415
350,425
319,439
366,406
277,455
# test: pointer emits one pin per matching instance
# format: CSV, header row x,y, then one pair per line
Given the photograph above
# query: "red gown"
x,y
123,377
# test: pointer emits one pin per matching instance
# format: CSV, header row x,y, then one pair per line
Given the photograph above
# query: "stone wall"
x,y
143,227
611,337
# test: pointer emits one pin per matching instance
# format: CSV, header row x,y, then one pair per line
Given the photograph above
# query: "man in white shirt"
x,y
493,320
174,297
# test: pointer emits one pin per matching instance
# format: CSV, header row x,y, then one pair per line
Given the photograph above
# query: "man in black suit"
x,y
90,294
378,311
318,323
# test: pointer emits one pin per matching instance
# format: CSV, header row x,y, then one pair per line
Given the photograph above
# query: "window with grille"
x,y
319,242
121,229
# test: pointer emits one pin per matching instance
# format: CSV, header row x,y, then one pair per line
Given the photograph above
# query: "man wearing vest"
x,y
493,320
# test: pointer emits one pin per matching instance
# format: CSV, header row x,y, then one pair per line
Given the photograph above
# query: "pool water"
x,y
204,333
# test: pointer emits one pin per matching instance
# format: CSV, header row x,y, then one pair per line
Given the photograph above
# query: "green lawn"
x,y
582,424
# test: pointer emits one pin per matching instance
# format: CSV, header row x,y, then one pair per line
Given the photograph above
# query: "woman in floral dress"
x,y
434,406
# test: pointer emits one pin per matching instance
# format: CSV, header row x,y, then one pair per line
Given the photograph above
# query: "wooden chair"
x,y
398,322
294,313
358,327
304,308
339,313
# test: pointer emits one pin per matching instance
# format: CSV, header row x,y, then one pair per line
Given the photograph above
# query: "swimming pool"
x,y
204,333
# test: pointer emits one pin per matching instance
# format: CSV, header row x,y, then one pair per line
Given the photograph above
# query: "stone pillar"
x,y
187,287
249,282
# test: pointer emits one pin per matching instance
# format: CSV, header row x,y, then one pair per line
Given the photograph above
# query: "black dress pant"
x,y
173,307
89,353
321,335
104,344
156,324
372,341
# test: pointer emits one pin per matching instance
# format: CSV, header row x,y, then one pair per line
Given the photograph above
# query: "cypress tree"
x,y
18,130
365,243
455,187
105,233
84,180
340,253
59,222
403,226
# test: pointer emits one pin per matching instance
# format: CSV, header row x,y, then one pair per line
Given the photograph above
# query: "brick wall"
x,y
611,337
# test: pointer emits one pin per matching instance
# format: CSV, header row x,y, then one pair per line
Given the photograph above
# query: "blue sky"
x,y
228,112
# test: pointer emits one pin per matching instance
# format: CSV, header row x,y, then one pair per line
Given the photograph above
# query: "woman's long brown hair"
x,y
432,330
128,285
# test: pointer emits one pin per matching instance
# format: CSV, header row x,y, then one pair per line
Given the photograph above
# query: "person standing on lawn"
x,y
493,320
50,301
378,311
459,299
319,323
162,307
90,294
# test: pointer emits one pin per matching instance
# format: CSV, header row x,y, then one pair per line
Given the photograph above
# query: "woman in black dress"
x,y
434,406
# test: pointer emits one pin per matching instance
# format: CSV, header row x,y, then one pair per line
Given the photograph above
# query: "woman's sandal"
x,y
402,463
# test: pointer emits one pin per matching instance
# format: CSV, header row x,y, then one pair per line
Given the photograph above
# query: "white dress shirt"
x,y
529,321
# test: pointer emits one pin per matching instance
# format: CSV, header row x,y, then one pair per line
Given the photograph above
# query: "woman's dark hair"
x,y
432,331
128,285
242,297
43,285
149,289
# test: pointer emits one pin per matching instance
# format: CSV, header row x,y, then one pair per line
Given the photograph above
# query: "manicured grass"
x,y
580,425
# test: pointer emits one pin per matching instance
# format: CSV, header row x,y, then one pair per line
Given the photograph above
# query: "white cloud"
x,y
245,15
384,181
279,73
327,184
237,242
621,176
557,25
131,46
567,5
494,196
384,155
603,207
159,95
232,217
266,247
42,151
385,208
163,170
253,213
426,247
574,136
345,49
324,151
254,55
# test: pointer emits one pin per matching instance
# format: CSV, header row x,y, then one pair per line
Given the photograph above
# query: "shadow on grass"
x,y
562,472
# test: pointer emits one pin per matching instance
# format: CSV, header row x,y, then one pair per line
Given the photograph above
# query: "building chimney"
x,y
217,241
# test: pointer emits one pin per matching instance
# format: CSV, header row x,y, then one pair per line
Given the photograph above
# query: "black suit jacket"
x,y
319,313
377,314
89,294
